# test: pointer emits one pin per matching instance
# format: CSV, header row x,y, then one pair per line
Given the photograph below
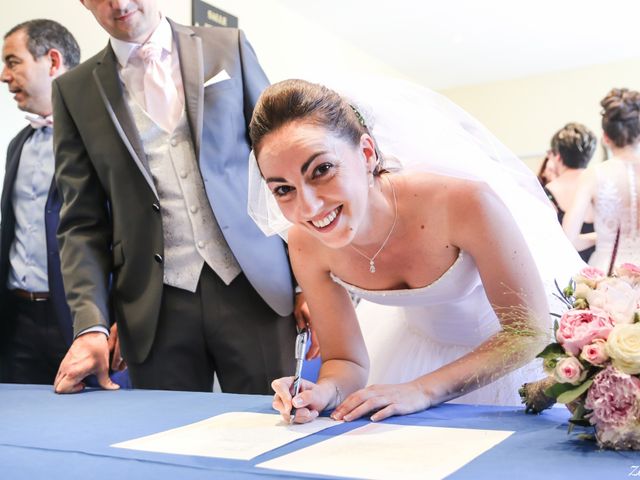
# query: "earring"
x,y
371,180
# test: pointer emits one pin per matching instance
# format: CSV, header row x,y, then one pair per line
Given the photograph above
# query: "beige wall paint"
x,y
525,113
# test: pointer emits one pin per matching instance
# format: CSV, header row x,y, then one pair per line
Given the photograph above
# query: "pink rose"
x,y
570,370
578,328
595,353
614,399
630,273
590,276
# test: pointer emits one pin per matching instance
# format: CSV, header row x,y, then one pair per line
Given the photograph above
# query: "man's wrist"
x,y
97,328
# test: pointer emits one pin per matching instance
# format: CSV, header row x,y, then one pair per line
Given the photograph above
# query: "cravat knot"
x,y
38,121
150,52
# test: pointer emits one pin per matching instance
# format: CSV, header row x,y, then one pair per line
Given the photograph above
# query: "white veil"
x,y
425,131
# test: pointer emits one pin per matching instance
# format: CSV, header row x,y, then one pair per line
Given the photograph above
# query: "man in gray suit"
x,y
154,227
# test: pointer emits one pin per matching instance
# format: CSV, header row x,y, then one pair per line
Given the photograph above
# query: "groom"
x,y
151,161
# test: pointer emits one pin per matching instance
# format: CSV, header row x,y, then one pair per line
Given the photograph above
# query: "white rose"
x,y
616,297
623,346
582,291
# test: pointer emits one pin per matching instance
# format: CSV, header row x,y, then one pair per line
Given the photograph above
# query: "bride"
x,y
455,244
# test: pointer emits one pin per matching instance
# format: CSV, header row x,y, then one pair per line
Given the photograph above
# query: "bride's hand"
x,y
309,402
384,400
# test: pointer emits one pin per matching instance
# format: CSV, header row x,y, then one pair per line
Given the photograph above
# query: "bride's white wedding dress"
x,y
409,333
616,206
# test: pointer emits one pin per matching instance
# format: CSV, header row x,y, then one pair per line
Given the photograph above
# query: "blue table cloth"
x,y
44,435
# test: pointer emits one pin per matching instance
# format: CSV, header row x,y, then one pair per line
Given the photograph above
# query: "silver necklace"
x,y
372,264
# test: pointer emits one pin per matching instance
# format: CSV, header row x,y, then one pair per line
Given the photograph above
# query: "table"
x,y
44,435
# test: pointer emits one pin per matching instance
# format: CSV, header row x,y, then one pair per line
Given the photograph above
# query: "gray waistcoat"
x,y
191,233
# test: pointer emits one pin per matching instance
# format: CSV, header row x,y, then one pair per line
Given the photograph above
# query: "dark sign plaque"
x,y
205,15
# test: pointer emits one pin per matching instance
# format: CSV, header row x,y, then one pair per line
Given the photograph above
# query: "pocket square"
x,y
218,77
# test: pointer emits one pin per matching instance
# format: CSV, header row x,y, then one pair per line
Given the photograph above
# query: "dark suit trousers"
x,y
34,346
224,329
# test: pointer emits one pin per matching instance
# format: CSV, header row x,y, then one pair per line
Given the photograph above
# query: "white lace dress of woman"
x,y
409,333
616,206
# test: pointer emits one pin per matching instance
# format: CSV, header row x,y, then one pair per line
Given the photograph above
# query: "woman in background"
x,y
572,147
611,187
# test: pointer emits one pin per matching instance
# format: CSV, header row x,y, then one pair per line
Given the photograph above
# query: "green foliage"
x,y
552,350
578,417
571,395
557,389
568,290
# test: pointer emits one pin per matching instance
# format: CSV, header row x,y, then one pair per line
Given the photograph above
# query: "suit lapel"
x,y
106,76
192,69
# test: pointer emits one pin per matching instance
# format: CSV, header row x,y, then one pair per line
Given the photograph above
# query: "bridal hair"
x,y
575,144
298,100
621,116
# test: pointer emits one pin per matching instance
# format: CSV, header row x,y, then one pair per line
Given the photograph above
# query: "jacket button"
x,y
158,258
156,207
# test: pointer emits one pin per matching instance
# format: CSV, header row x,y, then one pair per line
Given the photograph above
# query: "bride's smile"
x,y
327,222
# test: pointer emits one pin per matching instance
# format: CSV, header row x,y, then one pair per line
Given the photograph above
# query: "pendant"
x,y
372,266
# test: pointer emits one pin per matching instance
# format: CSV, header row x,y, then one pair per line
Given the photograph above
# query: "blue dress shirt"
x,y
28,253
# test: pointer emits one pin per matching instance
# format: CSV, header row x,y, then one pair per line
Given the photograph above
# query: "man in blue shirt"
x,y
35,322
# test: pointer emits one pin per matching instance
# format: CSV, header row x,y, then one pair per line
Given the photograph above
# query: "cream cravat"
x,y
160,94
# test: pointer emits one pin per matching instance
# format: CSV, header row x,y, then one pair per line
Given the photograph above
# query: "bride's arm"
x,y
345,364
577,212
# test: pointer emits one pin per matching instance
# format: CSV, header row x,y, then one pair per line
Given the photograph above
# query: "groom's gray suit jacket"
x,y
110,232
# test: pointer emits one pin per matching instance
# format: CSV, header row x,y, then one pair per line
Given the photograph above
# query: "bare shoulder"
x,y
449,194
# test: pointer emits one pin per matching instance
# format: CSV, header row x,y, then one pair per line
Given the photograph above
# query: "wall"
x,y
525,113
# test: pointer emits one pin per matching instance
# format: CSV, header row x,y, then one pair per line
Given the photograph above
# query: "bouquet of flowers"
x,y
594,365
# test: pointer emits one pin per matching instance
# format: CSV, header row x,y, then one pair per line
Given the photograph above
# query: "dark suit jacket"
x,y
7,234
110,221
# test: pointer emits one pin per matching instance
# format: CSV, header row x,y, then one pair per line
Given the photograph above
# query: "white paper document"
x,y
383,451
237,435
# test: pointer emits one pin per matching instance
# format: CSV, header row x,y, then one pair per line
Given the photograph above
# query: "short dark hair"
x,y
575,144
621,116
44,34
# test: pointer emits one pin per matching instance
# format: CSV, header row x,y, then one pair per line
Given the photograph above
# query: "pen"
x,y
301,343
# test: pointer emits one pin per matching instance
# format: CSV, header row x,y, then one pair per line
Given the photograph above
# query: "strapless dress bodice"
x,y
454,309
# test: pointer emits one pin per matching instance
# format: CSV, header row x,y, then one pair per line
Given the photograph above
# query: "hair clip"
x,y
359,116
